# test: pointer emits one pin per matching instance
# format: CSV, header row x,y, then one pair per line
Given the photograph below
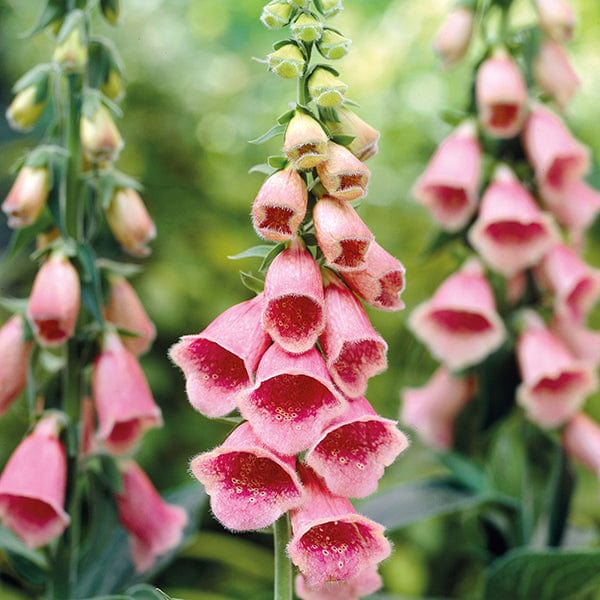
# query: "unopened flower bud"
x,y
557,18
71,52
366,138
306,28
100,137
326,89
333,46
305,142
25,109
130,222
554,74
453,39
276,15
287,62
111,10
330,8
27,197
113,86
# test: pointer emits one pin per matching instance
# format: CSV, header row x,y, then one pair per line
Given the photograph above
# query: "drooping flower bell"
x,y
305,142
327,90
353,450
454,37
30,99
333,45
431,410
27,197
71,52
250,485
450,183
293,313
330,540
581,440
365,138
557,18
124,402
54,301
280,206
583,343
220,361
33,485
276,14
579,209
100,138
287,61
306,28
343,175
293,399
154,526
459,323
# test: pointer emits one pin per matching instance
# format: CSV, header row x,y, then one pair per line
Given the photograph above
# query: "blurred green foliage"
x,y
194,98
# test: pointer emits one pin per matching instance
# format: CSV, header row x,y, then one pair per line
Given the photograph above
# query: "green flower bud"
x,y
287,62
329,8
326,89
276,15
332,45
111,10
306,28
298,3
71,52
30,99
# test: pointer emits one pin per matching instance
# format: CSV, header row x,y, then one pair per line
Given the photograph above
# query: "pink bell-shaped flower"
x,y
578,210
220,361
292,401
342,235
501,94
15,353
583,343
33,484
431,410
575,285
557,18
280,206
581,440
27,197
343,175
459,323
330,540
554,383
556,156
554,74
511,233
293,313
250,486
54,301
366,138
382,281
124,402
450,183
354,350
305,142
454,36
154,526
125,311
367,582
353,450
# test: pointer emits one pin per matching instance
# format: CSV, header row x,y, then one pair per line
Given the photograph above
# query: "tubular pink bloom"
x,y
364,584
250,485
32,487
583,343
575,285
453,39
342,235
557,18
220,361
27,197
382,281
554,383
501,94
579,208
331,541
305,142
292,401
130,222
280,206
353,450
581,440
87,428
15,352
431,410
124,402
154,526
366,138
343,175
125,310
554,74
450,183
511,233
354,350
100,138
459,324
293,313
556,157
54,301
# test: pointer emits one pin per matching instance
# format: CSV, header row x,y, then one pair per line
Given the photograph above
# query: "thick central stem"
x,y
71,205
283,566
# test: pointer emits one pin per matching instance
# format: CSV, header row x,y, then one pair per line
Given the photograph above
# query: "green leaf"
x,y
277,162
259,251
91,288
343,140
10,543
466,472
262,168
252,282
52,10
105,467
273,132
523,574
286,117
144,591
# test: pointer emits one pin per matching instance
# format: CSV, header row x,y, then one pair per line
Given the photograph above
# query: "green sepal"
x,y
111,10
277,161
103,58
270,257
105,468
252,282
343,140
126,270
39,77
75,19
53,10
14,305
263,168
286,117
259,251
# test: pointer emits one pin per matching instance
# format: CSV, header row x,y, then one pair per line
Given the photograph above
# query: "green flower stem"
x,y
70,198
283,566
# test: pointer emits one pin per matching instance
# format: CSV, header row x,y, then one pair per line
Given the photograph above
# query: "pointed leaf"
x,y
265,137
252,282
259,251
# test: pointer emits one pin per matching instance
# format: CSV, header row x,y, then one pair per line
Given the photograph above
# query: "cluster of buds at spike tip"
x,y
512,220
83,323
295,361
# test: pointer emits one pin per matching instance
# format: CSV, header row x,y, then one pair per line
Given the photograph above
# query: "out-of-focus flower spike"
x,y
454,36
27,197
554,73
557,18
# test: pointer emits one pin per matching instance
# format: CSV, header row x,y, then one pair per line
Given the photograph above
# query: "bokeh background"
x,y
194,99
